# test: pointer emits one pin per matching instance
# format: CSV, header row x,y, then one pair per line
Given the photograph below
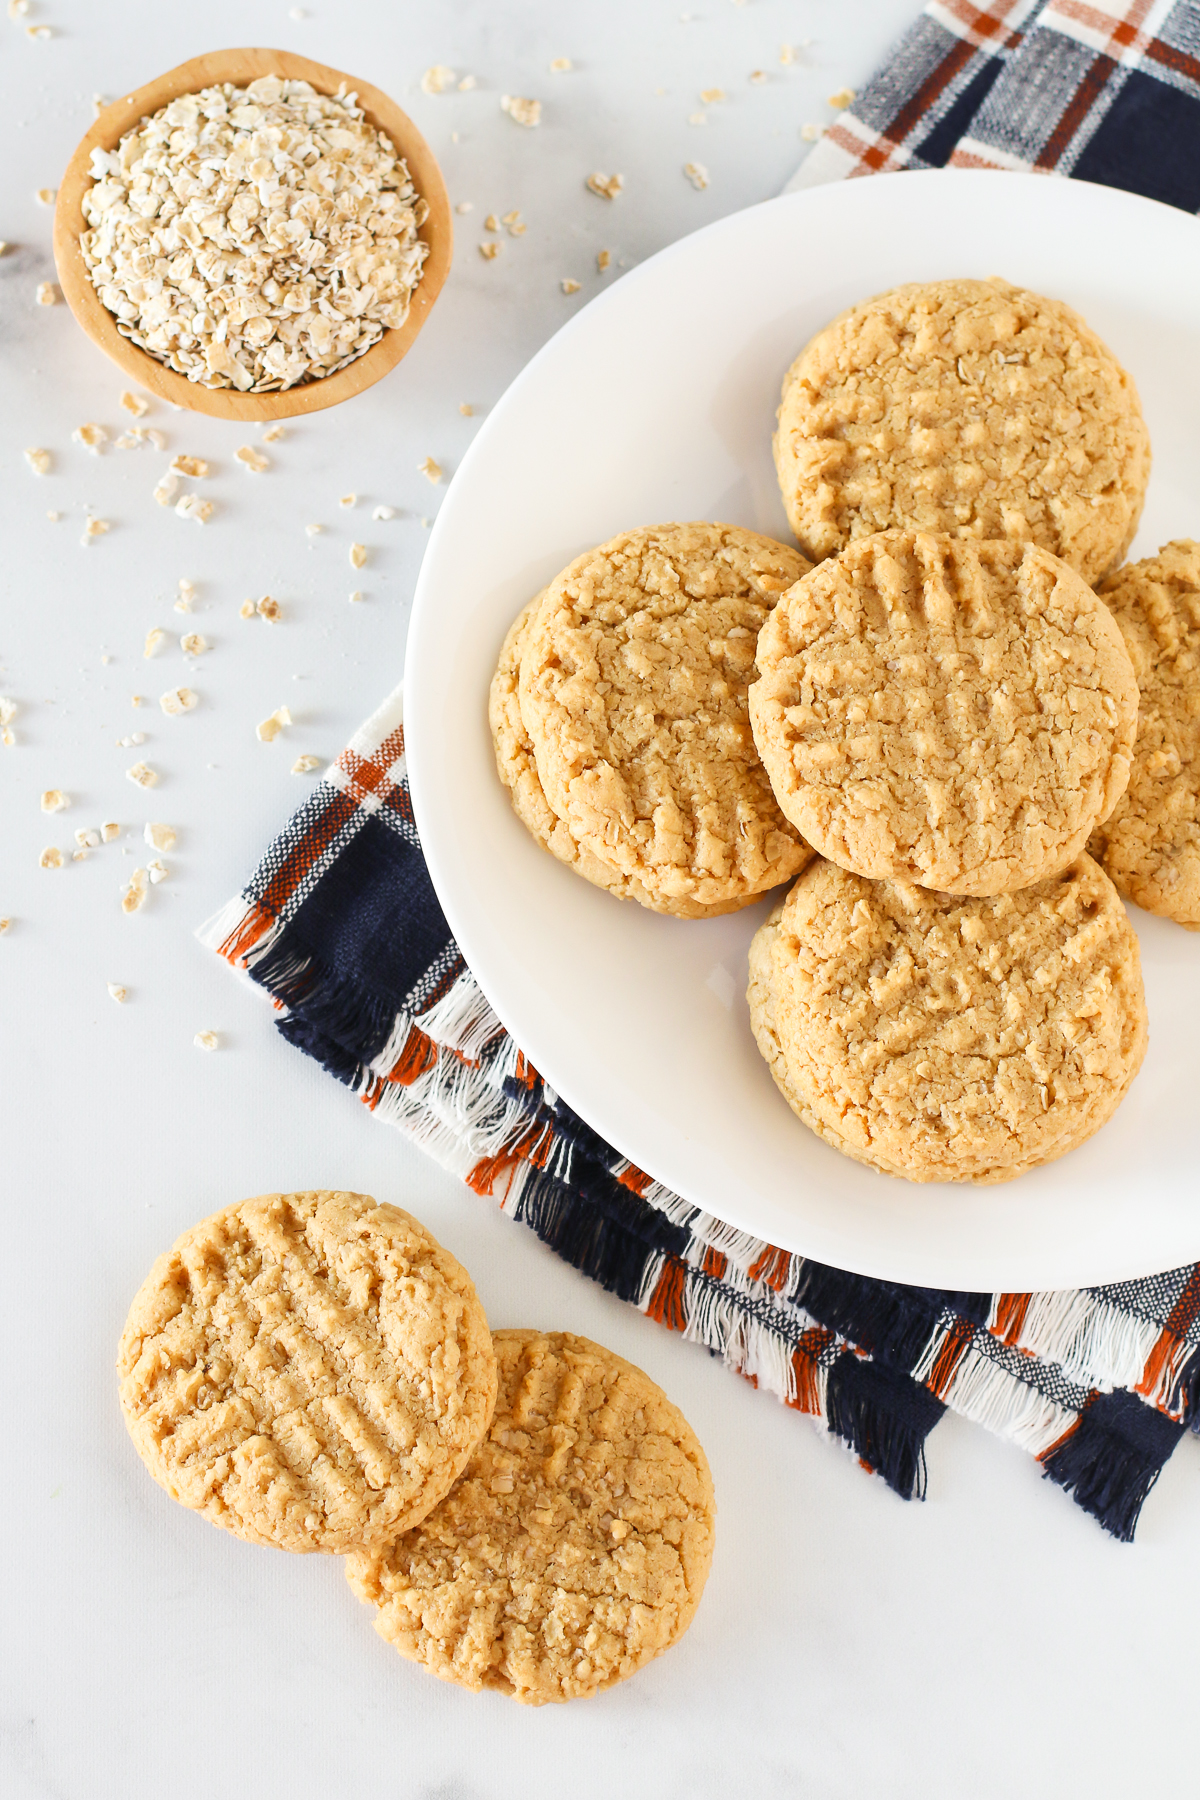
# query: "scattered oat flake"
x,y
39,461
431,470
304,765
142,775
697,118
787,53
46,196
697,174
603,259
844,96
47,294
467,84
358,552
192,644
489,250
137,700
17,9
187,593
3,246
137,404
8,710
251,459
156,637
160,837
87,837
313,530
810,132
569,285
758,76
133,897
110,829
516,224
560,65
491,223
521,111
117,992
206,1040
54,800
193,507
606,186
467,411
39,33
270,728
356,595
465,206
247,609
51,858
98,105
166,488
348,500
384,512
92,529
269,609
4,924
274,434
92,437
157,871
437,79
178,700
710,96
195,467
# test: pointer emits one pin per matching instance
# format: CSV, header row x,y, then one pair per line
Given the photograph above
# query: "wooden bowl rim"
x,y
241,66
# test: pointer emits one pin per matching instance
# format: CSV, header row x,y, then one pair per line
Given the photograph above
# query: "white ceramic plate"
x,y
657,402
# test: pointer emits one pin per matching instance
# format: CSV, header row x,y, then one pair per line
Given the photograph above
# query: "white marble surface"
x,y
987,1643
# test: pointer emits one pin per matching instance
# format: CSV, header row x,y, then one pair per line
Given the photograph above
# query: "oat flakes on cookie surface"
x,y
574,1548
633,694
967,406
944,1038
307,1370
937,710
1150,844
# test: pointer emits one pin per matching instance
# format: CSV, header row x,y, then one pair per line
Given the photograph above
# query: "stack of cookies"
x,y
941,705
525,1510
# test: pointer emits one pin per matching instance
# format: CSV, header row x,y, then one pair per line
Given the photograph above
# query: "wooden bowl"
x,y
241,67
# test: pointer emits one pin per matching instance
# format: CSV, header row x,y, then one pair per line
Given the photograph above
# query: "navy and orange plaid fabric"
x,y
1104,92
341,928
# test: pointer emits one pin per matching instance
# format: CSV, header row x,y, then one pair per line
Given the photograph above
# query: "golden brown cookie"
x,y
307,1370
950,1039
633,693
973,407
576,1545
517,768
1150,843
938,710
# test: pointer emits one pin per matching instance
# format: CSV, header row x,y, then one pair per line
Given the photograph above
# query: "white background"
x,y
989,1642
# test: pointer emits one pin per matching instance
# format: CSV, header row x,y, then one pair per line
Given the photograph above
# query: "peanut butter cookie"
x,y
937,710
308,1370
1150,844
972,407
633,695
574,1548
950,1039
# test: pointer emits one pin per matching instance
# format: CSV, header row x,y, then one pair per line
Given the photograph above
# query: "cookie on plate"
x,y
938,710
308,1370
574,1548
950,1039
967,406
632,692
517,768
1150,844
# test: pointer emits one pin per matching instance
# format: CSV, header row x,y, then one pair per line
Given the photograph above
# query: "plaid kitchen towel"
x,y
340,925
1101,91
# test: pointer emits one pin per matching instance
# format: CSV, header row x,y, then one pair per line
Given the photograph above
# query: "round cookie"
x,y
307,1370
972,407
576,1545
937,710
1150,843
517,768
950,1039
633,693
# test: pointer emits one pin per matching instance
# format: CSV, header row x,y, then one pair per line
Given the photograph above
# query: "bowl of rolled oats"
x,y
253,235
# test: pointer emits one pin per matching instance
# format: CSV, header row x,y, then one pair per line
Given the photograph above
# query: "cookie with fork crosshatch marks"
x,y
308,1370
574,1548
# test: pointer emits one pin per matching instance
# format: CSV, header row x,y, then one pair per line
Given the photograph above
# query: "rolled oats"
x,y
133,897
254,237
110,829
488,251
304,765
156,637
47,294
560,65
355,596
92,437
274,434
710,96
156,870
39,461
521,111
206,1040
467,411
246,609
54,800
348,500
39,33
137,404
251,459
142,775
46,196
269,609
159,837
51,858
384,512
844,96
569,285
810,132
270,728
92,529
358,552
187,593
467,84
179,700
87,837
166,488
193,507
603,260
194,467
118,993
437,79
697,174
607,186
193,644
